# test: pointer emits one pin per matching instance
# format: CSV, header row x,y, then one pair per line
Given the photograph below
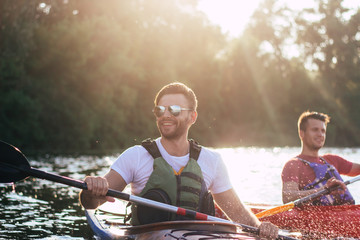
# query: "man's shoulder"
x,y
293,162
209,150
209,154
134,150
336,160
342,165
332,157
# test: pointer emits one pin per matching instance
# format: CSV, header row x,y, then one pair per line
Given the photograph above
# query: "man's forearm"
x,y
230,203
241,214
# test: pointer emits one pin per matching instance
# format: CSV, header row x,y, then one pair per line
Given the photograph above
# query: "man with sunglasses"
x,y
173,169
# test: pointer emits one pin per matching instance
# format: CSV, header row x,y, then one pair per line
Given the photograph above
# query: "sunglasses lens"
x,y
175,110
159,111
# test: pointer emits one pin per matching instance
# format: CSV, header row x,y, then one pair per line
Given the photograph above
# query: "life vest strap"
x,y
151,147
190,190
192,176
195,149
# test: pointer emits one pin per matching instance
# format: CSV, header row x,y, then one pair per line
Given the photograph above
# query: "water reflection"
x,y
25,217
37,208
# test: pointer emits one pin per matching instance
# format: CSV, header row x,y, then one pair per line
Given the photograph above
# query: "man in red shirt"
x,y
309,172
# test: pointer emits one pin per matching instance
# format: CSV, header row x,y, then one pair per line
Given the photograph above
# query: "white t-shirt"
x,y
135,165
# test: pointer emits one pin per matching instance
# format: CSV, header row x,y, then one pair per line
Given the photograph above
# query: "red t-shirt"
x,y
296,171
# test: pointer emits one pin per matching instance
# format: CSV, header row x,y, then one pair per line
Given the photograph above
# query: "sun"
x,y
231,15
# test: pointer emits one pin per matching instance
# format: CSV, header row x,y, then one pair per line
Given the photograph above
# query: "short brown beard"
x,y
179,131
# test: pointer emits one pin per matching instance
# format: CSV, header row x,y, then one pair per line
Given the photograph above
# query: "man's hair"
x,y
177,88
311,115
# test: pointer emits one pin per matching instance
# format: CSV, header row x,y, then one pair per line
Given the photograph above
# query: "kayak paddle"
x,y
301,201
15,167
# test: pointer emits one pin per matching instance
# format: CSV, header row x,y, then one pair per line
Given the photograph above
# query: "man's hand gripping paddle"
x,y
302,201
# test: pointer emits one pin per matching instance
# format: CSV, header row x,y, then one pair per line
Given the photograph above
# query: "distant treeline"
x,y
80,76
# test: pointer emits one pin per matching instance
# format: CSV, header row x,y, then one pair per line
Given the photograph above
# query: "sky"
x,y
233,15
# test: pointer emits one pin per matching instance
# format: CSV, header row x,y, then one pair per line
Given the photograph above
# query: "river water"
x,y
39,209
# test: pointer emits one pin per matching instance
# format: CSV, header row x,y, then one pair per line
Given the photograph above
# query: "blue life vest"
x,y
323,172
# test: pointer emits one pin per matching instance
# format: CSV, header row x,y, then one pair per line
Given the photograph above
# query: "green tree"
x,y
331,43
264,85
92,70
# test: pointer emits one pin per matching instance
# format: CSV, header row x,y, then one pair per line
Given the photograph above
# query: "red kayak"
x,y
318,221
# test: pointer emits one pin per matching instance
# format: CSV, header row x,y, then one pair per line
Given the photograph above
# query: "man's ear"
x,y
193,117
301,134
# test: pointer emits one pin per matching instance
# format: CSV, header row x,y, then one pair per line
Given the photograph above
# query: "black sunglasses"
x,y
175,110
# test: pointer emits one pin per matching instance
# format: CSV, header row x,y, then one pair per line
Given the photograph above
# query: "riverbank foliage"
x,y
81,76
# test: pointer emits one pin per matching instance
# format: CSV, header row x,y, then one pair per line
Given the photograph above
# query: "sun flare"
x,y
231,15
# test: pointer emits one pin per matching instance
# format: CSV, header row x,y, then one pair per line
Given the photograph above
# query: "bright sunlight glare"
x,y
233,15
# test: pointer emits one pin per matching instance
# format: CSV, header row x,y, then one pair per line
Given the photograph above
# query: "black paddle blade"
x,y
12,161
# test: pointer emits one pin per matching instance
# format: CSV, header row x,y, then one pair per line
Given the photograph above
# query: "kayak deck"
x,y
110,226
318,221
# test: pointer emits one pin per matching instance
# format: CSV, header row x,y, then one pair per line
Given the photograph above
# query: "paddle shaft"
x,y
302,201
139,200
